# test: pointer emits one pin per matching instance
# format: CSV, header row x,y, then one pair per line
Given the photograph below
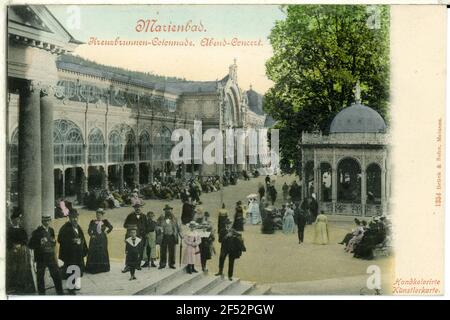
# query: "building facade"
x,y
99,127
348,170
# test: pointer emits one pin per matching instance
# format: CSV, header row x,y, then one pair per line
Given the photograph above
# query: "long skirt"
x,y
288,224
151,242
321,233
19,278
98,257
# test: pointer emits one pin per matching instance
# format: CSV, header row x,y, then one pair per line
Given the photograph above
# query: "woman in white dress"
x,y
321,235
288,220
253,209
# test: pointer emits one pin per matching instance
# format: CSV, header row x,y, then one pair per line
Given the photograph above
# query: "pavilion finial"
x,y
357,92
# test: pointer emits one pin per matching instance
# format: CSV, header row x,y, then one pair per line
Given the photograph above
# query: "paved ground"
x,y
277,259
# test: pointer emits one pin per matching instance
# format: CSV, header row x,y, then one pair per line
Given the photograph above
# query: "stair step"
x,y
222,285
259,290
241,289
154,287
177,285
204,285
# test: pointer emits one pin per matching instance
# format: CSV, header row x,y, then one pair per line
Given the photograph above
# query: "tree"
x,y
320,52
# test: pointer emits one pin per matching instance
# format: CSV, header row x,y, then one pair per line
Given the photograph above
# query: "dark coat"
x,y
70,251
187,213
133,252
140,223
238,223
233,245
43,253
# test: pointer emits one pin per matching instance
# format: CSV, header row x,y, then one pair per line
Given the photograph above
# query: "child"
x,y
133,251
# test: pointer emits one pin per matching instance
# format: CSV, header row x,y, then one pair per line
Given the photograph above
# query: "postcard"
x,y
224,149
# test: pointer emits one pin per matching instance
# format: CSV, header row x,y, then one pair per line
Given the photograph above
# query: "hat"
x,y
16,213
239,203
100,210
132,227
192,224
73,213
46,218
167,207
137,205
206,214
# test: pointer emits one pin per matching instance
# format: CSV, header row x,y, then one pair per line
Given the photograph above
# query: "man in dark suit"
x,y
73,247
170,233
232,246
300,220
43,243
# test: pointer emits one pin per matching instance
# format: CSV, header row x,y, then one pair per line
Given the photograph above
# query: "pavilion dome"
x,y
358,118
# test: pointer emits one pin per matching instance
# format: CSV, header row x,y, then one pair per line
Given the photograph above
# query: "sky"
x,y
201,63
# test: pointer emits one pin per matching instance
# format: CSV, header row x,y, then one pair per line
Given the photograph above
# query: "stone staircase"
x,y
163,282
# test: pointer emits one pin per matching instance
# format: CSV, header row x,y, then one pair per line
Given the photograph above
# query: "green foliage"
x,y
320,51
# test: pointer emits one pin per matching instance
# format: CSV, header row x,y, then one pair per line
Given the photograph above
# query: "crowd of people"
x,y
150,237
365,237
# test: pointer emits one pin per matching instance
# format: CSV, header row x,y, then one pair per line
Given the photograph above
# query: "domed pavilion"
x,y
347,170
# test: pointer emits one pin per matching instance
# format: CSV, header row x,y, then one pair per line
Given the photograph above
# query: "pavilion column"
x,y
363,191
47,159
383,190
105,179
29,169
334,187
304,185
183,170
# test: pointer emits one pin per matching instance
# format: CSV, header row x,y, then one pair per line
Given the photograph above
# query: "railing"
x,y
344,138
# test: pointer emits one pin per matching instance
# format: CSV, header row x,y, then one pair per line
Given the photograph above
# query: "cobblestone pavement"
x,y
276,258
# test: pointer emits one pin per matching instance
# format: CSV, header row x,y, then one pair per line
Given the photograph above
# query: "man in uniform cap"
x,y
43,243
73,247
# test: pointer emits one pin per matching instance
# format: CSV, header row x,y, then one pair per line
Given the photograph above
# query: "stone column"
x,y
136,179
29,169
47,159
120,166
383,191
334,187
363,192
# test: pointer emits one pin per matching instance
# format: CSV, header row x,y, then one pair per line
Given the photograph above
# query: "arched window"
x,y
349,181
96,152
115,147
14,150
309,178
68,143
14,161
166,143
373,179
144,147
325,180
130,146
73,147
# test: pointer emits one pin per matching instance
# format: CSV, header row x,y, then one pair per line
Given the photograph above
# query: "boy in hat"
x,y
43,243
133,251
73,247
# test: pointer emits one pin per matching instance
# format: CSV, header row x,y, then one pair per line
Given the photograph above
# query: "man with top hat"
x,y
43,243
19,278
170,232
232,247
72,246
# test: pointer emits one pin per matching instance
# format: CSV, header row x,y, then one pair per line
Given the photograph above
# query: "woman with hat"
x,y
98,257
191,254
238,223
18,271
223,217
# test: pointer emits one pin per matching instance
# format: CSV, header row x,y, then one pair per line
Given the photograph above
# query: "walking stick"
x,y
181,249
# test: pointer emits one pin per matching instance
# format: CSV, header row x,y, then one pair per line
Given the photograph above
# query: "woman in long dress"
x,y
253,209
191,254
288,220
321,235
98,257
